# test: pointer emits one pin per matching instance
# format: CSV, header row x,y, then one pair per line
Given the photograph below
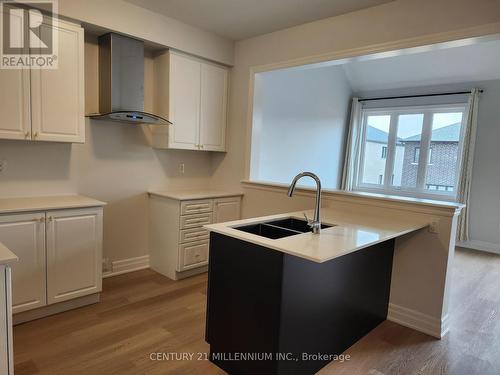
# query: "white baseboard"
x,y
480,245
120,267
418,321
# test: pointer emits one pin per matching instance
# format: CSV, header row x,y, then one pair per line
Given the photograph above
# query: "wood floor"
x,y
143,313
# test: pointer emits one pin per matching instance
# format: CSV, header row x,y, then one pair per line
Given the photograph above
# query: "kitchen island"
x,y
282,300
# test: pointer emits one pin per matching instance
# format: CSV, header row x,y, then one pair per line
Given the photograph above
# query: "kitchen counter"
x,y
350,233
42,203
7,256
305,293
184,194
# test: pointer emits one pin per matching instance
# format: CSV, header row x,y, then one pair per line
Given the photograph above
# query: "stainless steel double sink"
x,y
279,228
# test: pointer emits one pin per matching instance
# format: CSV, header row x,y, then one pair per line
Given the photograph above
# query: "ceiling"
x,y
240,19
471,63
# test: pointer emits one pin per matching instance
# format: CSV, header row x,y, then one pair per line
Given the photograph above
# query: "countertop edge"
x,y
49,203
195,195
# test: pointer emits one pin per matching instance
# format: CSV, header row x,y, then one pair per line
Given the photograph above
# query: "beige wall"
x,y
116,165
400,23
126,18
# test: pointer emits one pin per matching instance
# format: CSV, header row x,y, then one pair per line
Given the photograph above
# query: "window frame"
x,y
394,112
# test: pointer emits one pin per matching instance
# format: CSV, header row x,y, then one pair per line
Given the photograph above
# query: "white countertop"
x,y
351,233
10,205
6,256
188,194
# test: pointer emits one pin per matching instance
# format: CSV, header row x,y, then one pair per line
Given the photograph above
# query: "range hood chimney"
x,y
121,81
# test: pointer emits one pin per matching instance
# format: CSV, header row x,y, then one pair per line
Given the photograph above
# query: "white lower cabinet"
x,y
59,254
24,234
6,342
179,245
226,209
73,254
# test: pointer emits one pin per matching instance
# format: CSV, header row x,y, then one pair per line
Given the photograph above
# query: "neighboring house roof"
x,y
450,133
376,135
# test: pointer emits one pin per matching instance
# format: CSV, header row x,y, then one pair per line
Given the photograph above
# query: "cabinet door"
x,y
15,97
74,253
57,95
227,209
184,102
6,358
24,234
213,107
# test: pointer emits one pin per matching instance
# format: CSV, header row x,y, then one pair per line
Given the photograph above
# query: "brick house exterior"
x,y
441,170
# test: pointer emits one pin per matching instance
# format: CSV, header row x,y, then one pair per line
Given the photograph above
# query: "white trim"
x,y
418,321
122,266
480,245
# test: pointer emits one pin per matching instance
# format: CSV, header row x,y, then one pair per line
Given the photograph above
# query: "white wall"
x,y
300,123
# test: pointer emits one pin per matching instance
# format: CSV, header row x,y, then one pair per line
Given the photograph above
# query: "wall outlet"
x,y
434,227
3,166
181,168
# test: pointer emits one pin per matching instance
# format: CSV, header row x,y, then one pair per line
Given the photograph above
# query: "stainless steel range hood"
x,y
121,81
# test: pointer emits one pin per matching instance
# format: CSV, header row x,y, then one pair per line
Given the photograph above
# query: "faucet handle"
x,y
309,221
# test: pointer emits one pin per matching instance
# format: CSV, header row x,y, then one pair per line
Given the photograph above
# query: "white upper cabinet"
x,y
15,98
213,107
184,102
47,104
192,94
15,104
57,95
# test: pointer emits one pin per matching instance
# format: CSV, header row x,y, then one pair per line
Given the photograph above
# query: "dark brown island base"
x,y
273,313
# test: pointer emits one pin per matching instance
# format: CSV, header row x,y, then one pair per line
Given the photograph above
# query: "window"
x,y
396,141
384,152
416,155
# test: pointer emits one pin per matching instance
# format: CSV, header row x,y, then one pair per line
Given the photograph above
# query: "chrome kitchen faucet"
x,y
315,224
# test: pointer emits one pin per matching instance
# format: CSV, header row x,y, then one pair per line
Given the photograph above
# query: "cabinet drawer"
x,y
195,221
192,255
196,234
196,207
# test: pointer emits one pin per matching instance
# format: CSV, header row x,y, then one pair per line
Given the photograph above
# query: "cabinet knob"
x,y
50,218
201,146
35,134
26,135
